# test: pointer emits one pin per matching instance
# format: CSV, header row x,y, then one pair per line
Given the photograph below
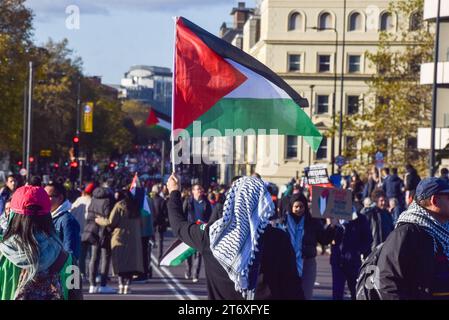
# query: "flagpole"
x,y
173,99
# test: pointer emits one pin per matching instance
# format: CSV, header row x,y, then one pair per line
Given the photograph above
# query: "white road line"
x,y
179,296
187,292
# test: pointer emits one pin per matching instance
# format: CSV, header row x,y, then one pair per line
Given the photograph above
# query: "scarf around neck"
x,y
418,215
234,238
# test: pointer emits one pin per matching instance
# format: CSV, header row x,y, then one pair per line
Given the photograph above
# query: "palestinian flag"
x,y
225,88
134,185
176,254
154,120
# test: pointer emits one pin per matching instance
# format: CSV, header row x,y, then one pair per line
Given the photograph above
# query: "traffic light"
x,y
112,165
76,146
19,163
74,164
73,170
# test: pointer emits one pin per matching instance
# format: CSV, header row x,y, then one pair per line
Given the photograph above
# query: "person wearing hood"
x,y
305,233
244,257
414,260
67,228
100,239
33,262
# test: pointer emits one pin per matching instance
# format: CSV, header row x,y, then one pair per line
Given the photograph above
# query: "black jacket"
x,y
101,204
189,211
314,233
381,225
409,269
158,207
350,241
278,277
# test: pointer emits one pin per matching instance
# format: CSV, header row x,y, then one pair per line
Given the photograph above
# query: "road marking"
x,y
187,292
179,296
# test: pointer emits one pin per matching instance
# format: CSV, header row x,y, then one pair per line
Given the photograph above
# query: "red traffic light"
x,y
112,165
56,165
19,163
74,164
76,139
31,159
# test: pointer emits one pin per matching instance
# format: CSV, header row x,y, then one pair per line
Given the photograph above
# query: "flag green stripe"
x,y
183,256
248,113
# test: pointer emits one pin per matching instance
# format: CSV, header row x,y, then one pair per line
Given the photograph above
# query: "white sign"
x,y
23,172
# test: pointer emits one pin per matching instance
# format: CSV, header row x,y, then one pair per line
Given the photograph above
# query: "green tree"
x,y
397,103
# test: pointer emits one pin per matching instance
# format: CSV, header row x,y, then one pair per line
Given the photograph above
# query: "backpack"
x,y
367,288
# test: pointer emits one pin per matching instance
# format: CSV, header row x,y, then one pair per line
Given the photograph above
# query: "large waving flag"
x,y
225,88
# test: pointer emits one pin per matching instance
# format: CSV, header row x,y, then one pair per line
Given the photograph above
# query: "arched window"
x,y
355,22
416,21
295,21
325,21
386,21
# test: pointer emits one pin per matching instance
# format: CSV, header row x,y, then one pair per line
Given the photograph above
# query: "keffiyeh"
x,y
418,215
234,238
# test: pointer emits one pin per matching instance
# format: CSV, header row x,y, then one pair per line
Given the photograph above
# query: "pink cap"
x,y
27,196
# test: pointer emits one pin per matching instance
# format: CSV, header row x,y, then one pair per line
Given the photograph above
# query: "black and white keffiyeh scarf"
x,y
418,215
234,238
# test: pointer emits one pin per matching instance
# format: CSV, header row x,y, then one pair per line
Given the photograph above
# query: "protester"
x,y
284,204
33,264
124,221
305,233
372,183
395,209
80,210
414,261
356,184
4,217
393,186
197,209
380,220
67,228
158,208
99,238
444,174
7,191
146,233
235,270
351,240
411,181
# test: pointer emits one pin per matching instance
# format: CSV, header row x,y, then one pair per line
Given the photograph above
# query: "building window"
x,y
325,21
292,147
355,22
294,62
321,154
354,63
324,63
416,21
353,104
295,21
351,146
386,21
322,104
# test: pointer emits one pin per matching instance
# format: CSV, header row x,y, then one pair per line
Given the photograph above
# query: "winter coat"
x,y
100,205
68,229
189,210
159,210
278,277
392,187
79,210
409,269
314,233
411,180
126,243
351,240
381,225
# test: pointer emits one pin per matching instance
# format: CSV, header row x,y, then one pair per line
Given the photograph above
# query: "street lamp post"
x,y
340,130
432,168
310,115
30,99
334,96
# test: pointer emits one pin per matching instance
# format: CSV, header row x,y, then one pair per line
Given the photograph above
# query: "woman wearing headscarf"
x,y
244,257
305,233
33,263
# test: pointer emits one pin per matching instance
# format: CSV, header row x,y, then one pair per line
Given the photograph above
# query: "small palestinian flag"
x,y
153,120
225,88
322,202
176,254
134,185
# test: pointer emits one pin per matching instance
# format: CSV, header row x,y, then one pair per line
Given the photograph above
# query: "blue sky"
x,y
115,34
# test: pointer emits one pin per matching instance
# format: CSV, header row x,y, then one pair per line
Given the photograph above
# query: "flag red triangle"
x,y
202,77
152,119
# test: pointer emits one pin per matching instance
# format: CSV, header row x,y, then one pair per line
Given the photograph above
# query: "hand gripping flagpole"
x,y
173,99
